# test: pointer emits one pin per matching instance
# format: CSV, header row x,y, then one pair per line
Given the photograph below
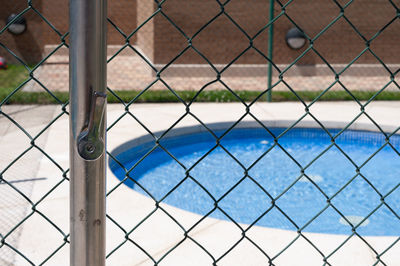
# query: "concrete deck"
x,y
35,175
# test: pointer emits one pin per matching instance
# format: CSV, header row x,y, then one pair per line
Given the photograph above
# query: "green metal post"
x,y
270,48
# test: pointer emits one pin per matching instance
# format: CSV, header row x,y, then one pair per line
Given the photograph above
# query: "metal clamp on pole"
x,y
90,141
87,132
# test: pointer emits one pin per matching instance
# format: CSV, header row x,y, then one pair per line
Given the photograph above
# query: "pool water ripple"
x,y
271,169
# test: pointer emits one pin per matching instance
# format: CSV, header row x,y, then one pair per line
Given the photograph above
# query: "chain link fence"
x,y
175,46
237,46
25,132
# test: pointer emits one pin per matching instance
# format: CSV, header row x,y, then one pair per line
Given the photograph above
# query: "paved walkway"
x,y
37,238
23,174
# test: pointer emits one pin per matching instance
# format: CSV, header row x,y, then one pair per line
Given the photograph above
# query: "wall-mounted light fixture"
x,y
18,26
295,38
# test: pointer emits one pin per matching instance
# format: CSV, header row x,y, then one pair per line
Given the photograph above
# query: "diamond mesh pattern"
x,y
185,234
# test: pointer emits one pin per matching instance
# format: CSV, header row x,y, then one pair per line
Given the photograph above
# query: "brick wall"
x,y
29,46
221,41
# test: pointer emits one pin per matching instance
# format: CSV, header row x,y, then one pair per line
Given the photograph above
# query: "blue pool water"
x,y
272,175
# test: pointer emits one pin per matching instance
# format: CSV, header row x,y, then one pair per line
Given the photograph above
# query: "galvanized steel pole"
x,y
87,131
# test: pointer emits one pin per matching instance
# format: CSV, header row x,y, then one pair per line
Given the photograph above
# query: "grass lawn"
x,y
11,78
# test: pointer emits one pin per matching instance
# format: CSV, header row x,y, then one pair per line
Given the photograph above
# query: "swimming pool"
x,y
252,179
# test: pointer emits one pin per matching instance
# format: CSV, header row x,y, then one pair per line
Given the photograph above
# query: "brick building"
x,y
222,41
30,45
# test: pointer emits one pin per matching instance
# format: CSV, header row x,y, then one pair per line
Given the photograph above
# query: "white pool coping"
x,y
158,234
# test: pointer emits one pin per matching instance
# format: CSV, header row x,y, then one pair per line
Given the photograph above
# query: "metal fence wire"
x,y
21,153
178,42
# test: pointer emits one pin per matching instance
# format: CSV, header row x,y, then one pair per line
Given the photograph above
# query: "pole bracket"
x,y
90,142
